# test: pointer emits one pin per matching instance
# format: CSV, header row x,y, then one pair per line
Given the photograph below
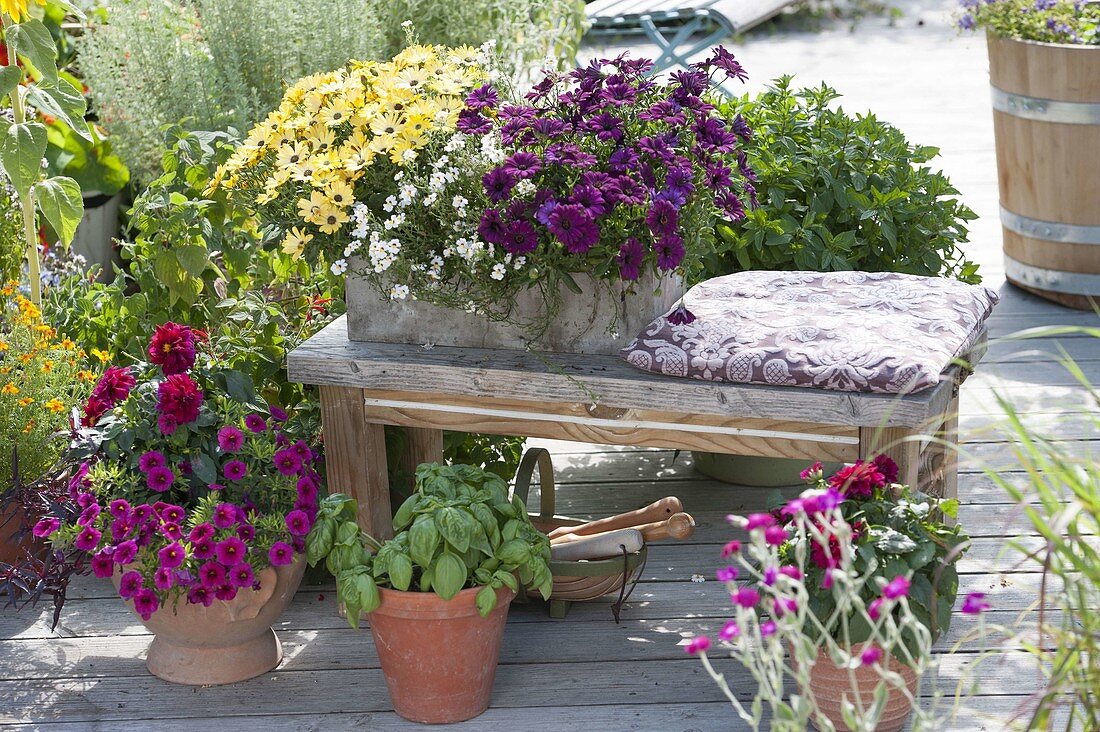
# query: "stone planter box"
x,y
595,321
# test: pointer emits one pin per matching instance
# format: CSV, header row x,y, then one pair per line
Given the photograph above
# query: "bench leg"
x,y
355,457
895,443
421,446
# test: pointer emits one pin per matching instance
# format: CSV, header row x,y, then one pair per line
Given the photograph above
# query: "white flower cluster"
x,y
382,253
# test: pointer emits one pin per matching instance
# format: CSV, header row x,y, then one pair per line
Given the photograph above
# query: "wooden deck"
x,y
586,672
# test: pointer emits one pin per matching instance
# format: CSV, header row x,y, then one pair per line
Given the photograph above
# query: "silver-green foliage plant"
x,y
526,32
458,530
210,65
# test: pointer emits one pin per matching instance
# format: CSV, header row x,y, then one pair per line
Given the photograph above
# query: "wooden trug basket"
x,y
575,581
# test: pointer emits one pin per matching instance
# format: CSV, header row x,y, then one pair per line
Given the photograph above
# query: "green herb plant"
x,y
839,192
458,530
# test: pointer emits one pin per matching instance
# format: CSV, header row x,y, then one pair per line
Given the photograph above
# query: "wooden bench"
x,y
600,399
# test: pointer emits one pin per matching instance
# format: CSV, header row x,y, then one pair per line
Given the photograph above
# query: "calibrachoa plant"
x,y
1047,21
441,187
194,487
857,570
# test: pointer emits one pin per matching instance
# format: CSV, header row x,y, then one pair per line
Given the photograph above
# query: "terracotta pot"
x,y
11,551
830,683
226,642
439,656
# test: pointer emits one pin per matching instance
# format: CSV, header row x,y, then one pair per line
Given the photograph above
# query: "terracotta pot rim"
x,y
1069,46
430,605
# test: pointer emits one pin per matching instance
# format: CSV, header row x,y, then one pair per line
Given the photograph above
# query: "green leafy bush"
x,y
458,530
840,192
1047,21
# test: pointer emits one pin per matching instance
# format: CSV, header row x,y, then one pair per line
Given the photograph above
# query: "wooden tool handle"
x,y
656,511
601,546
678,526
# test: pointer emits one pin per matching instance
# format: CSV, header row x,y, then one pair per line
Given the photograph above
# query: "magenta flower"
x,y
246,532
759,521
630,259
46,526
160,479
574,227
789,570
103,565
297,523
898,587
785,606
746,597
277,413
230,551
767,628
179,398
827,579
145,603
770,575
974,604
730,549
225,515
150,460
874,610
173,348
163,579
230,438
307,488
235,470
201,532
119,508
670,251
171,531
130,584
211,575
255,423
241,575
287,462
202,549
775,535
88,539
200,596
280,554
172,555
870,656
172,514
125,553
697,645
729,631
727,574
225,592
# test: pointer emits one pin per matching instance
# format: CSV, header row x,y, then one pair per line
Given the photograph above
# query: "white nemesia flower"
x,y
468,249
498,271
389,204
361,231
525,187
339,267
520,261
394,221
430,199
459,202
408,156
399,292
360,213
352,248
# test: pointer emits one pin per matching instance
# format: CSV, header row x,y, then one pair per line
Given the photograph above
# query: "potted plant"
x,y
856,580
195,501
832,191
1044,57
466,214
436,594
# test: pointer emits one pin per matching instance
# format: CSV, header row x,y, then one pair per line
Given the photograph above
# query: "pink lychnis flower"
x,y
698,645
897,587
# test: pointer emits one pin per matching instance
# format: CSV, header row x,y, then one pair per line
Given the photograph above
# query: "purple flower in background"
x,y
974,604
630,258
608,128
730,205
230,439
522,164
726,574
590,199
246,532
520,238
498,183
548,127
681,316
255,423
622,160
1045,4
482,97
718,176
730,548
491,226
160,479
573,227
656,148
225,515
619,94
712,135
967,22
472,123
724,61
690,83
741,128
662,218
280,554
150,460
235,470
897,587
287,462
751,190
627,190
670,251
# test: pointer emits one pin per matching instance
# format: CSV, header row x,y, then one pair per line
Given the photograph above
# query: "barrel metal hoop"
x,y
1046,110
1050,230
1053,280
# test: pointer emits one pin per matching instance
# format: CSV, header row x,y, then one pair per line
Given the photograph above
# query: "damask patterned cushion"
x,y
846,331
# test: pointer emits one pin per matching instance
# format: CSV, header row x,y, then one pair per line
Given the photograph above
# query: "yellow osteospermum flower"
x,y
308,207
341,194
17,9
295,242
9,288
4,346
9,389
55,405
330,218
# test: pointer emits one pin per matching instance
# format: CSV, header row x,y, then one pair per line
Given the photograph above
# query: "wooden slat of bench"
x,y
330,359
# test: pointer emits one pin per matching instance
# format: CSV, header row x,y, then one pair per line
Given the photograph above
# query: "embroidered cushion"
x,y
846,331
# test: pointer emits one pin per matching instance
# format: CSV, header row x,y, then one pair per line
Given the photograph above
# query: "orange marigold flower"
x,y
55,405
67,344
86,376
9,389
102,355
47,366
26,402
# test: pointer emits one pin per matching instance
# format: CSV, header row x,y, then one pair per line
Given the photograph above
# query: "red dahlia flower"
x,y
179,399
173,348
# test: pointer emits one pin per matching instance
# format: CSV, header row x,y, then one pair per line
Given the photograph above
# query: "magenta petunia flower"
x,y
160,479
88,539
870,656
145,603
277,413
126,552
974,604
307,488
280,554
173,514
746,597
897,587
171,531
201,532
246,532
163,579
202,549
225,515
200,596
230,551
235,470
225,592
172,555
88,515
119,508
301,449
697,645
241,575
726,574
255,423
46,526
103,565
211,575
150,460
287,462
297,523
230,438
130,584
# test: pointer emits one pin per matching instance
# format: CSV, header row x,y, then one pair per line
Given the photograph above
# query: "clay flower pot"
x,y
226,642
11,550
830,683
439,656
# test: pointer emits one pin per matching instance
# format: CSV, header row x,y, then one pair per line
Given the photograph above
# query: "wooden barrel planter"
x,y
1046,118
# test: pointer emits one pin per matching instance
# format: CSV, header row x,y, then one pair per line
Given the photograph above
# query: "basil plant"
x,y
458,530
36,90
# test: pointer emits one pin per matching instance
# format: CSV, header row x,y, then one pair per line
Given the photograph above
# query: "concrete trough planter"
x,y
595,321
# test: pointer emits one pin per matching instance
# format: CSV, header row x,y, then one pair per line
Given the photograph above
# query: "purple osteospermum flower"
x,y
679,180
520,238
491,226
145,603
255,423
670,251
130,584
542,214
656,148
731,205
160,479
662,218
522,164
498,183
741,128
718,176
235,470
472,123
628,190
630,258
573,227
297,523
681,316
87,539
230,551
150,460
482,97
590,199
622,160
103,565
230,439
607,127
287,462
897,587
241,575
280,554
